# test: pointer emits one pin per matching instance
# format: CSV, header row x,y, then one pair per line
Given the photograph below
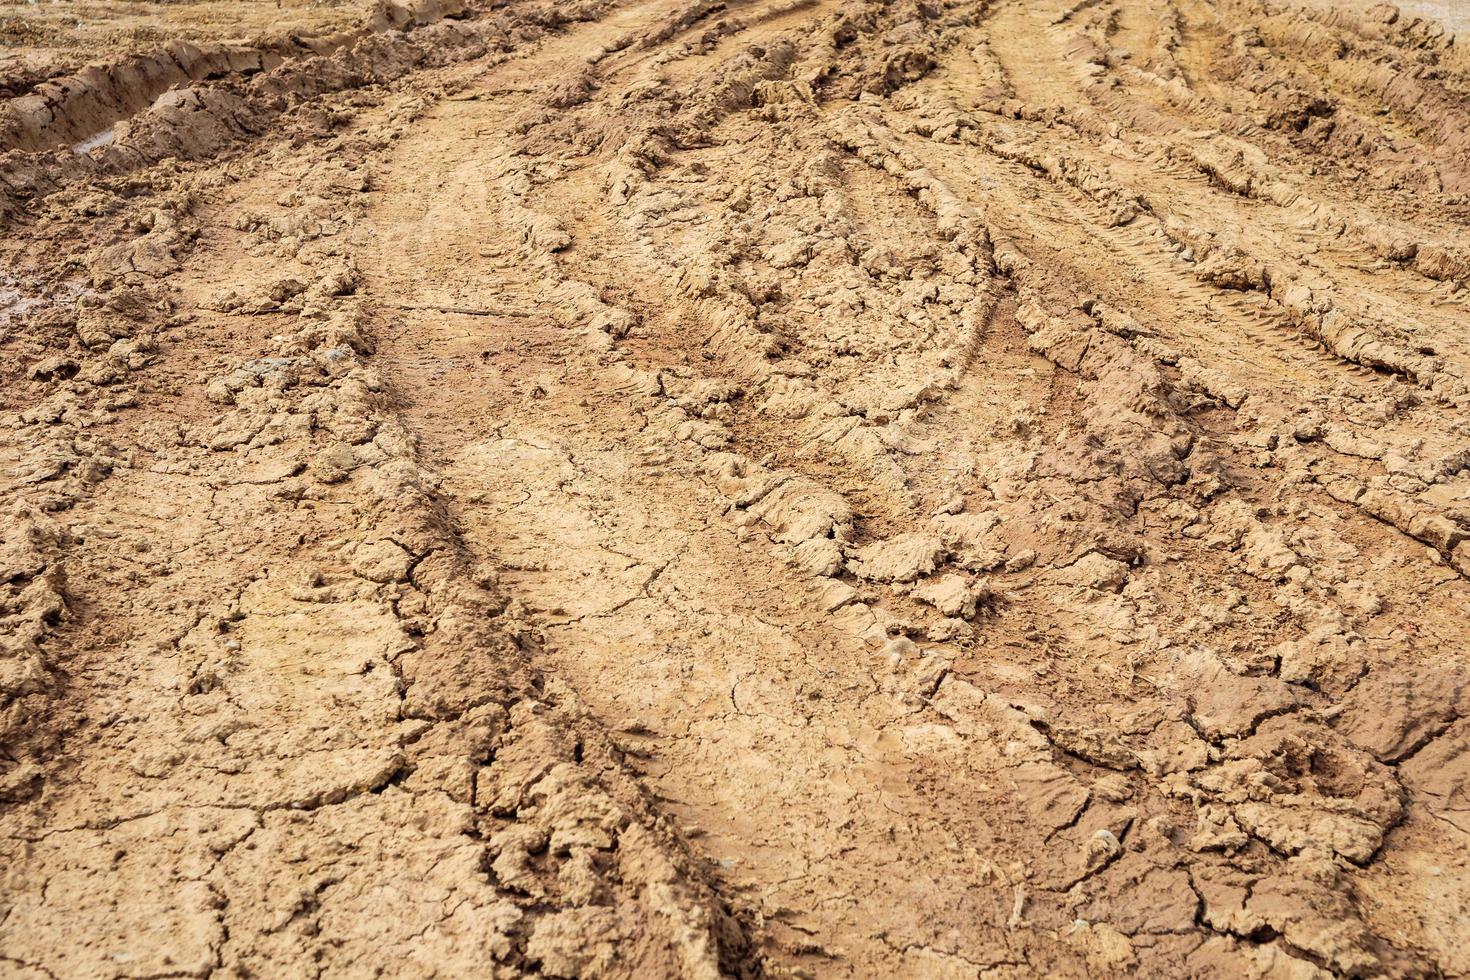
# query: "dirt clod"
x,y
791,488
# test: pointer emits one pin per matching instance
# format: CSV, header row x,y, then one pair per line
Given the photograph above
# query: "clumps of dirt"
x,y
810,487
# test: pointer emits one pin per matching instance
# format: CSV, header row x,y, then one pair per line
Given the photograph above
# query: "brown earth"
x,y
792,488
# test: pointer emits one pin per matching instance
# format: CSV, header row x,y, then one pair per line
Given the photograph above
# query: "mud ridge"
x,y
759,488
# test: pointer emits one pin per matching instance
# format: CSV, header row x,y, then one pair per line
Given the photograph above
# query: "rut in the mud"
x,y
796,488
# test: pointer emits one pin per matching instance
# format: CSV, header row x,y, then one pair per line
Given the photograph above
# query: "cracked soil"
x,y
762,488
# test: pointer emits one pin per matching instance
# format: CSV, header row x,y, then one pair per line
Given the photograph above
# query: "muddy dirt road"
x,y
792,488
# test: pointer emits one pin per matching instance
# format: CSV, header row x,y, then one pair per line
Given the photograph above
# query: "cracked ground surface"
x,y
793,488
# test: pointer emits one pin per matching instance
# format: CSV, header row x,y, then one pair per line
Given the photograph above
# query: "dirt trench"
x,y
792,488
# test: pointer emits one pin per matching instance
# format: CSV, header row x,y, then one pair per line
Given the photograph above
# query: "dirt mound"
x,y
799,488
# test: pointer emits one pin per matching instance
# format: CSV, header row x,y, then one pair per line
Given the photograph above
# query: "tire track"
x,y
839,488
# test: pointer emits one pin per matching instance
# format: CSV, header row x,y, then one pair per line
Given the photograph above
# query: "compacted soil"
x,y
764,488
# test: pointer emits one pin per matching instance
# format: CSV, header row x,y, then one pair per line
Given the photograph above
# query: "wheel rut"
x,y
788,488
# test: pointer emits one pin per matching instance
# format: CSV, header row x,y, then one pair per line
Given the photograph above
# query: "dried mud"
x,y
804,488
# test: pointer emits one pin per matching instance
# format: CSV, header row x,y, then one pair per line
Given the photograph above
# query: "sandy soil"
x,y
772,488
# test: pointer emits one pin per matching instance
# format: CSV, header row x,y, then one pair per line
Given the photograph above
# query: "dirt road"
x,y
810,488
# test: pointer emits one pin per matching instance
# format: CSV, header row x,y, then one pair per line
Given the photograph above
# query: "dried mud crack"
x,y
792,488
